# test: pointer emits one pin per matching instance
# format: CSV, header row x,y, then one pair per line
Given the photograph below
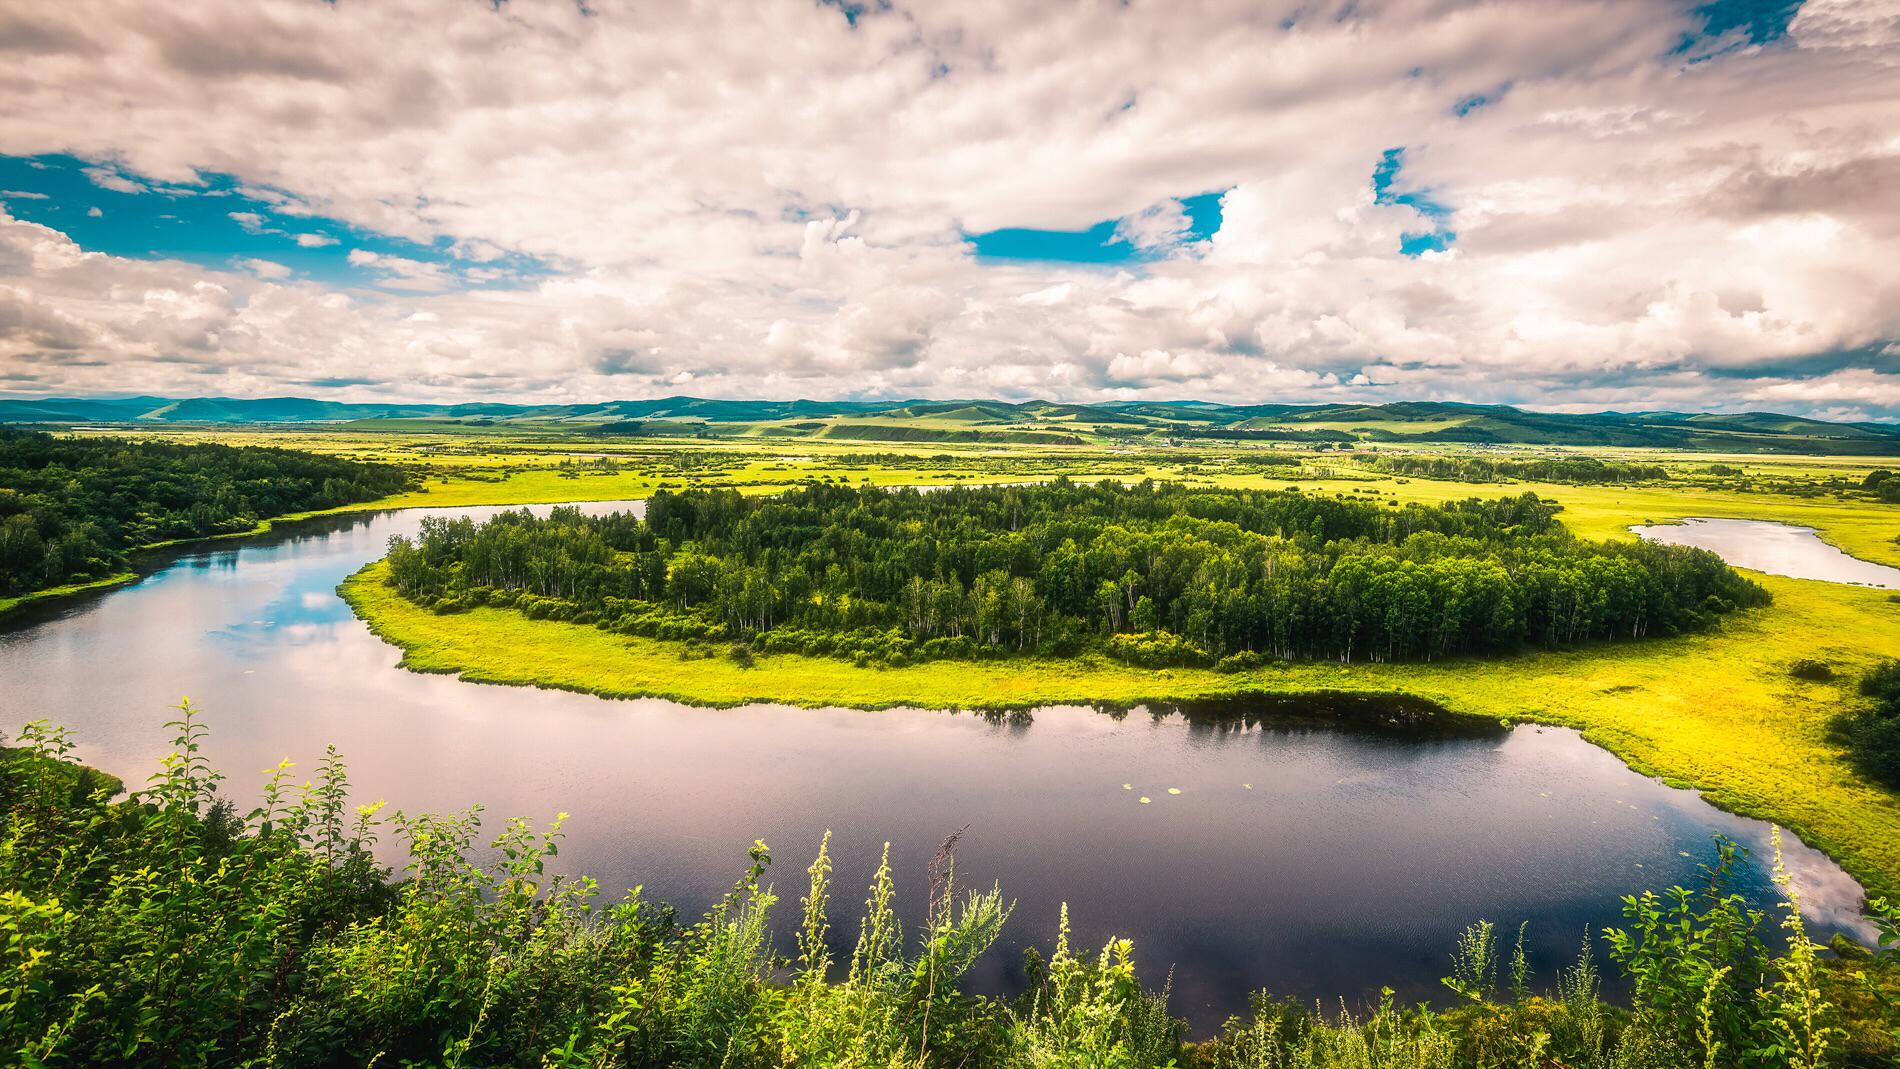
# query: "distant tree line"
x,y
1270,460
1249,434
1578,470
1152,574
71,508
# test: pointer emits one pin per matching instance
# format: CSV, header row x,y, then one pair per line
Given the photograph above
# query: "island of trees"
x,y
72,508
1153,574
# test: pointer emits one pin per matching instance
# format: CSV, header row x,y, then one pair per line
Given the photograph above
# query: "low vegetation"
x,y
71,509
167,930
1152,574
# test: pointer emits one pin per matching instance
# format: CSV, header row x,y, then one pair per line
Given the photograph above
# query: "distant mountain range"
x,y
1002,421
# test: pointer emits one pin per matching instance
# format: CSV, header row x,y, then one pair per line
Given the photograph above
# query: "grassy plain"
x,y
1717,711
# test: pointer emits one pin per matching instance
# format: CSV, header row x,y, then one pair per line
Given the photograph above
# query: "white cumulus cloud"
x,y
770,199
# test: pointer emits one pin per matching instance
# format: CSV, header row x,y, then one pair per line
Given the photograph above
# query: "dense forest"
x,y
1152,574
1578,470
71,508
167,930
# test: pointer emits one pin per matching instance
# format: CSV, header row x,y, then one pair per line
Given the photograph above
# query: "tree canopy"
x,y
1154,573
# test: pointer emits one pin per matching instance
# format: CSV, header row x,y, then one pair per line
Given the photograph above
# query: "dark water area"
x,y
1318,848
1775,548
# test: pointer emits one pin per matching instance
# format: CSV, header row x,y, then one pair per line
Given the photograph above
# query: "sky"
x,y
1571,205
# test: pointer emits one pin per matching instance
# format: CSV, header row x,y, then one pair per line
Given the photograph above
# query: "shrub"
x,y
1244,661
1882,683
1156,649
1875,743
1811,670
1873,736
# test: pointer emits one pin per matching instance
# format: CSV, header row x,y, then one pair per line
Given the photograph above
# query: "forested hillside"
x,y
71,508
1153,574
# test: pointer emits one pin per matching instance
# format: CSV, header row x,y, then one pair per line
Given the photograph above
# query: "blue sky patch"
x,y
1099,244
1203,214
1467,105
853,10
1385,179
223,224
1759,22
1762,20
1411,244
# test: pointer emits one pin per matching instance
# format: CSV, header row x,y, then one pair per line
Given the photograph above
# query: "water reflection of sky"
x,y
1315,862
1775,548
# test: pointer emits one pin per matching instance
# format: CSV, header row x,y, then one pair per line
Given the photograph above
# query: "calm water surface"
x,y
1775,548
1315,861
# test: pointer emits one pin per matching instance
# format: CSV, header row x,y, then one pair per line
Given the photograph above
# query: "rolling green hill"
x,y
1027,422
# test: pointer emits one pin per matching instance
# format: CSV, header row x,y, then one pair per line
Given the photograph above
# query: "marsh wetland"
x,y
1260,775
1295,820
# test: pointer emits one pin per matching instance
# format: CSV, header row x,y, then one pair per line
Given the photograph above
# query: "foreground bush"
x,y
164,930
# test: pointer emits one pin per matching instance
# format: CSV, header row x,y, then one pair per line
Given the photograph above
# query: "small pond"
x,y
1314,848
1775,548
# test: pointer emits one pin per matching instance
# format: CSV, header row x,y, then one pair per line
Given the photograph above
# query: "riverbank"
x,y
1718,711
66,590
534,487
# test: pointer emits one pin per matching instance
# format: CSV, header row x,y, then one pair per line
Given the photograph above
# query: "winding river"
x,y
1302,853
1775,548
